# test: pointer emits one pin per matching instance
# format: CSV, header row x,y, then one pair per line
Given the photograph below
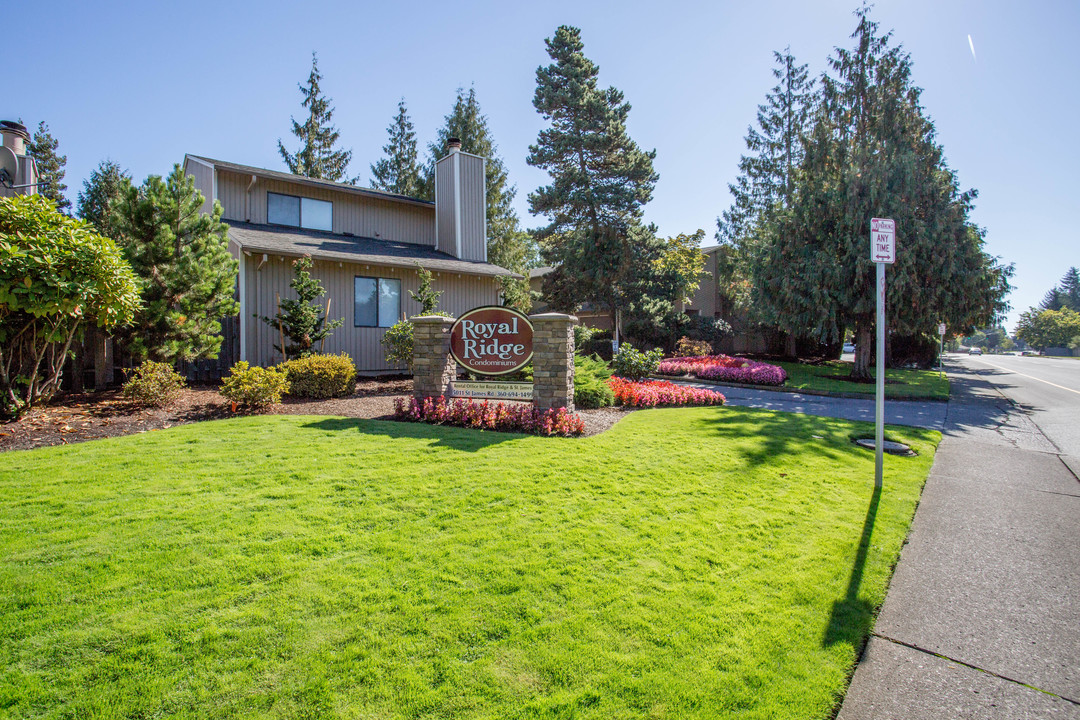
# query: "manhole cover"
x,y
887,445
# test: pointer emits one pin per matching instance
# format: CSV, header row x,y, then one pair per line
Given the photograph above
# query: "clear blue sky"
x,y
144,83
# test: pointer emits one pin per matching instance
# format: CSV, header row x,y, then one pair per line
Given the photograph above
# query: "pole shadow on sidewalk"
x,y
853,616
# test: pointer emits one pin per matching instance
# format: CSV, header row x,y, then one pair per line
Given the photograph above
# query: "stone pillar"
x,y
553,360
433,368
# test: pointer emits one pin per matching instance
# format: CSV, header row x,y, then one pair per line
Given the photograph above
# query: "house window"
x,y
299,212
377,302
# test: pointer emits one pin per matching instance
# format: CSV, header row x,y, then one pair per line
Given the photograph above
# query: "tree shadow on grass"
x,y
463,439
779,433
852,616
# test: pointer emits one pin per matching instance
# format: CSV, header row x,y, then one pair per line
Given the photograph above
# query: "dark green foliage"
x,y
399,171
600,179
425,294
56,277
636,365
320,376
254,387
1049,328
1064,295
100,194
50,167
316,156
873,153
302,320
397,344
591,389
154,384
508,246
187,278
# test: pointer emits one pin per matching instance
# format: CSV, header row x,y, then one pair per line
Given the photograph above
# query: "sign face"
x,y
492,340
882,240
496,390
941,329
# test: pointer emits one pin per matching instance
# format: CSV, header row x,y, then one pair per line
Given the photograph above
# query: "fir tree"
x,y
316,156
427,296
302,320
399,171
767,175
50,167
186,275
100,193
600,181
872,153
508,245
1064,295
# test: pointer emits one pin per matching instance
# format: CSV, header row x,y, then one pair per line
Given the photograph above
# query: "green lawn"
x,y
899,384
693,563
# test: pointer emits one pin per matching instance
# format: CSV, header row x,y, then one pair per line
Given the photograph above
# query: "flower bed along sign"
x,y
492,340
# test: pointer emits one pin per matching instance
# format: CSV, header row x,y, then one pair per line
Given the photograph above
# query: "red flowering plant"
x,y
655,393
725,369
503,417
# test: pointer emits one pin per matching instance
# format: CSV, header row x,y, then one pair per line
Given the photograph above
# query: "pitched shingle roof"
x,y
347,248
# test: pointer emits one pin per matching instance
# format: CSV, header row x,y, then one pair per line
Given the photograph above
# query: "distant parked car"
x,y
849,347
975,351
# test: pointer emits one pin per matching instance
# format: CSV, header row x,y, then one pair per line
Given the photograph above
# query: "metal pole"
x,y
879,413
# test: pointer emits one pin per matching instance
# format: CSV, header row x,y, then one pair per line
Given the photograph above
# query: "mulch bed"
x,y
78,418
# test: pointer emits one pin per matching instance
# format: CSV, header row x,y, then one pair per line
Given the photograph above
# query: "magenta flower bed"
x,y
504,417
725,369
653,393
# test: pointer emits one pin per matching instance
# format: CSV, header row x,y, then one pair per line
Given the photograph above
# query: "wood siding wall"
x,y
362,216
204,182
706,296
461,293
470,183
444,205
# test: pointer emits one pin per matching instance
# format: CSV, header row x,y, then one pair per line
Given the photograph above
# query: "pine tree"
x,y
399,171
600,181
1066,294
100,193
508,245
316,156
873,153
186,275
767,175
302,320
50,167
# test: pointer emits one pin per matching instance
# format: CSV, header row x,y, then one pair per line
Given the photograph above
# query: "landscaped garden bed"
x,y
337,567
724,368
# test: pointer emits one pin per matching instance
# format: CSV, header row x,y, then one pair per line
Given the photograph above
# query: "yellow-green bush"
x,y
254,386
320,376
153,384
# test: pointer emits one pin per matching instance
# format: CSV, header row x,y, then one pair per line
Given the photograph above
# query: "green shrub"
x,y
320,376
591,389
254,386
154,384
635,365
692,348
398,343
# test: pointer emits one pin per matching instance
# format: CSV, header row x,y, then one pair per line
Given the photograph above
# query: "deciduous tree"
x,y
317,156
1049,328
57,276
187,278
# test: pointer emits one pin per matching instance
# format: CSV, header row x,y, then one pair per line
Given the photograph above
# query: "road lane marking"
x,y
1002,367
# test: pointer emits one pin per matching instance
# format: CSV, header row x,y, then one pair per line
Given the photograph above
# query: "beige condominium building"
x,y
364,244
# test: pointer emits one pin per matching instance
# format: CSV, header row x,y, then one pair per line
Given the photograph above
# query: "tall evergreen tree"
x,y
101,191
1066,294
316,157
186,275
508,245
767,174
873,153
600,181
399,171
50,167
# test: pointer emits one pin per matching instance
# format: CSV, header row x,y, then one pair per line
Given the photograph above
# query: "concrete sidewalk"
x,y
981,618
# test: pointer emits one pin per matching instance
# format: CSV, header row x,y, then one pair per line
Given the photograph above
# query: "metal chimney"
x,y
15,136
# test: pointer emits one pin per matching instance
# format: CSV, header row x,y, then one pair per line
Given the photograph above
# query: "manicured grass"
x,y
689,563
899,384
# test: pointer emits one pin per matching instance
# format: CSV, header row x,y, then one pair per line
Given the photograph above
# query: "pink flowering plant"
x,y
725,369
657,393
500,416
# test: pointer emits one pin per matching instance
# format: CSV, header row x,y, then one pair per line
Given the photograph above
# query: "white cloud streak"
x,y
972,46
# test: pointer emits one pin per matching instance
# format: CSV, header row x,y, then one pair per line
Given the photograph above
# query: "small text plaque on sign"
x,y
941,329
493,390
882,240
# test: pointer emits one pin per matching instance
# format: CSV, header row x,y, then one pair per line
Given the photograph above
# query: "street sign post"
x,y
882,253
941,347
